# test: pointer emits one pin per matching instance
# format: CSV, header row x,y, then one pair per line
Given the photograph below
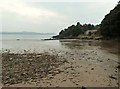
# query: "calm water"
x,y
27,42
34,43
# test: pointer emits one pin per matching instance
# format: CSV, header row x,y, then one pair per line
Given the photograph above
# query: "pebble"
x,y
112,77
57,86
64,80
118,67
28,67
83,87
105,69
70,77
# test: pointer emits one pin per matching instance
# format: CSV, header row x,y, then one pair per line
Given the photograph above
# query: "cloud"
x,y
24,11
32,15
73,0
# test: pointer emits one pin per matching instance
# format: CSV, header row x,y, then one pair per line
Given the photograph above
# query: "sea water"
x,y
35,42
17,42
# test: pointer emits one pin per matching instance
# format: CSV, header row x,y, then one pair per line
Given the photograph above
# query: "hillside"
x,y
75,30
110,25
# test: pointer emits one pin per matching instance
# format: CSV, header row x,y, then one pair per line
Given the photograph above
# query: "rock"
x,y
88,57
30,59
83,87
100,61
76,83
64,80
57,86
115,70
57,71
105,69
118,67
11,59
112,77
26,66
50,76
67,72
92,68
71,77
72,68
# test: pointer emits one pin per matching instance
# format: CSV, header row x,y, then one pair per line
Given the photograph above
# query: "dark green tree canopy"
x,y
75,30
110,25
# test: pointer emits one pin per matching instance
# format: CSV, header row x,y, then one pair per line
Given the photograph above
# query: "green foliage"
x,y
75,30
110,25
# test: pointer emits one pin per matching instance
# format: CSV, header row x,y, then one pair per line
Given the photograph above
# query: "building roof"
x,y
92,31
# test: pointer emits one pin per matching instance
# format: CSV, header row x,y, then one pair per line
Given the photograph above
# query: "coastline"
x,y
46,46
90,66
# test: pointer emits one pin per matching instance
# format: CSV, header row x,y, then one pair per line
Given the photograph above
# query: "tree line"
x,y
109,27
75,30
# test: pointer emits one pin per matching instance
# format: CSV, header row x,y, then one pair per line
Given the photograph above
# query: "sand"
x,y
88,66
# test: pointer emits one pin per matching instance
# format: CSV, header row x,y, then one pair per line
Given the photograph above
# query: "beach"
x,y
60,44
80,64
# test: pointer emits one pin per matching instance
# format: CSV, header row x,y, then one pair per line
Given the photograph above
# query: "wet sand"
x,y
88,66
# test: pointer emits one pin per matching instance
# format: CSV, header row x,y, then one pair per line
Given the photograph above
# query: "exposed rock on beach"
x,y
19,68
81,66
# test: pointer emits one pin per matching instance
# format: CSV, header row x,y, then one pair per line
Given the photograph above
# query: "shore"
x,y
87,66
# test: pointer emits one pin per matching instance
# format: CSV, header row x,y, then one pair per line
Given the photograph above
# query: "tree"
x,y
111,23
75,30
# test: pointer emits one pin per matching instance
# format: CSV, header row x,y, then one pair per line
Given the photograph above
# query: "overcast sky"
x,y
52,16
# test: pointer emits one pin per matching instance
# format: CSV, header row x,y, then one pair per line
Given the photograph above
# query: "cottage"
x,y
91,32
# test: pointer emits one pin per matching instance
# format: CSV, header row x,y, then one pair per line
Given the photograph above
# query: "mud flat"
x,y
84,66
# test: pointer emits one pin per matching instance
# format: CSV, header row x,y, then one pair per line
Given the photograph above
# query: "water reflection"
x,y
78,43
111,46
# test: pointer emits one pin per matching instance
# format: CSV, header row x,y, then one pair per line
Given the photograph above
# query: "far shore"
x,y
82,38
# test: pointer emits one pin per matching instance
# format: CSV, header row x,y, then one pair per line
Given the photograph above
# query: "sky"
x,y
51,16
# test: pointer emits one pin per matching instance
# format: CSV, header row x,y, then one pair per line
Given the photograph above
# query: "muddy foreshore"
x,y
88,66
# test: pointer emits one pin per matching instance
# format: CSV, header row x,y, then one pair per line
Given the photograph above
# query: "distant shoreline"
x,y
26,33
